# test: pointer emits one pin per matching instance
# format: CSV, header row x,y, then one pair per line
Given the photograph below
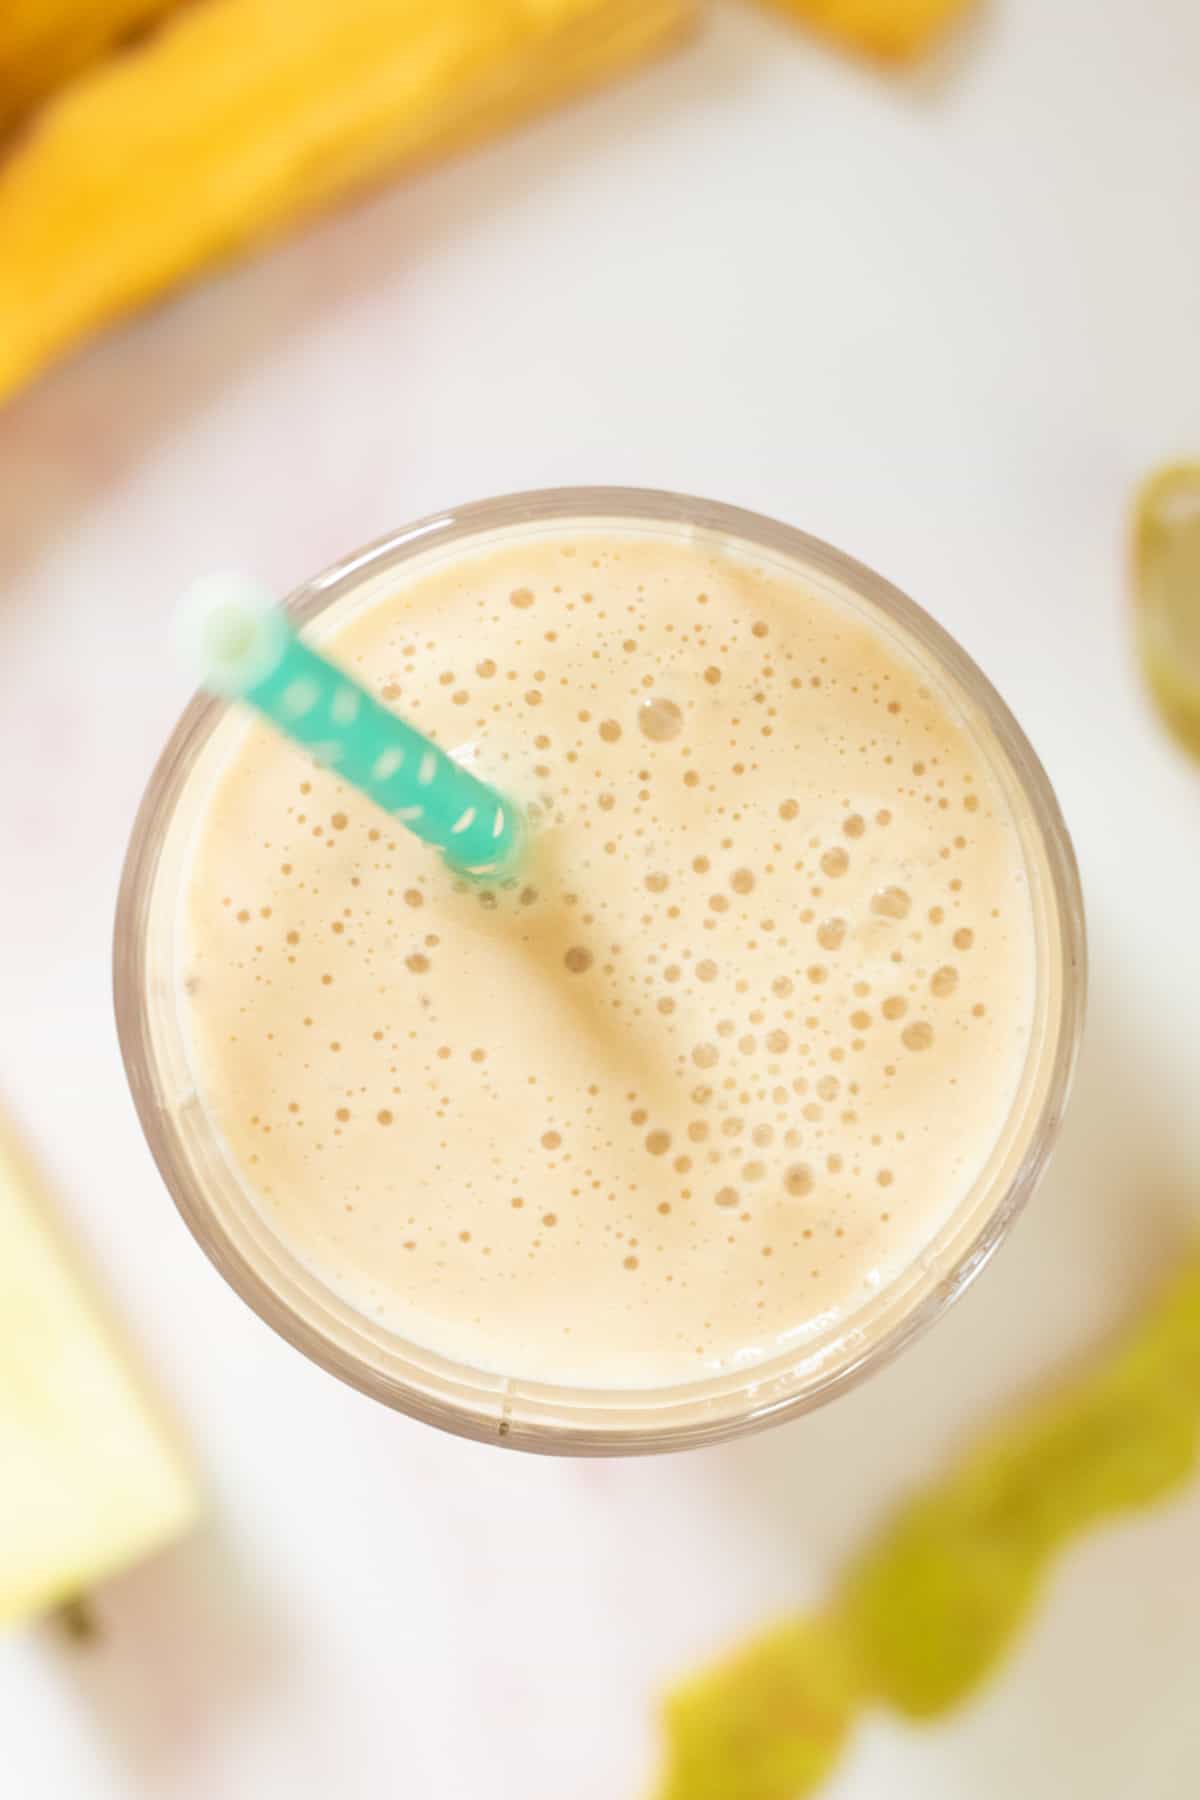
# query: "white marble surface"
x,y
944,321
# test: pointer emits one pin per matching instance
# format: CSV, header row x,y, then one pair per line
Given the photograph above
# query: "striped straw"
x,y
244,648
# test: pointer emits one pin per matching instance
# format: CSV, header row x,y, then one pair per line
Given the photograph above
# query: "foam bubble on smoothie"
x,y
725,1060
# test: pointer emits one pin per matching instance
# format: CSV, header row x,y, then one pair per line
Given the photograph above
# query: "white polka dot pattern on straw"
x,y
247,651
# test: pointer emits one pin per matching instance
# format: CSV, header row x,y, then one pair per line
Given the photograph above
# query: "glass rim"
x,y
569,1419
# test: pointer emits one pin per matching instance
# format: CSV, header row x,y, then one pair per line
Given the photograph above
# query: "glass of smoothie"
x,y
716,1104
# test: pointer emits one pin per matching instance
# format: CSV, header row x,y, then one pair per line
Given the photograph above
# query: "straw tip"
x,y
508,851
231,632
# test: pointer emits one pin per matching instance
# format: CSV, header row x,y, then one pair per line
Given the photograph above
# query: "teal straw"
x,y
245,649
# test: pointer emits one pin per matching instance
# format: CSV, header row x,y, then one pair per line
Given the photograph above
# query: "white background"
x,y
944,320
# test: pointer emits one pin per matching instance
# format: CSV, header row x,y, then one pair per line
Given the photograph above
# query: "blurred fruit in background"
x,y
43,43
91,1479
892,29
923,1616
152,138
769,1723
1166,553
233,118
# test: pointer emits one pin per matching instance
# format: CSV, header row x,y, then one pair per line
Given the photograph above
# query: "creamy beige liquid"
x,y
725,1060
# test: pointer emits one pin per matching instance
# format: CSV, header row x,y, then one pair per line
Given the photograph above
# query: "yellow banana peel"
x,y
893,30
44,42
237,117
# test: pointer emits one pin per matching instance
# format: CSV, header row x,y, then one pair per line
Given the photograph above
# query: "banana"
x,y
891,29
44,42
238,117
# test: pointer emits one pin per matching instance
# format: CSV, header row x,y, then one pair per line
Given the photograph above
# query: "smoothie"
x,y
722,1063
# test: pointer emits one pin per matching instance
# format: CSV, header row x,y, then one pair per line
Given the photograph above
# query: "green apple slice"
x,y
90,1479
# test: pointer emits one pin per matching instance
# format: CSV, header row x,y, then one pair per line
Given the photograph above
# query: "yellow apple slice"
x,y
90,1480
